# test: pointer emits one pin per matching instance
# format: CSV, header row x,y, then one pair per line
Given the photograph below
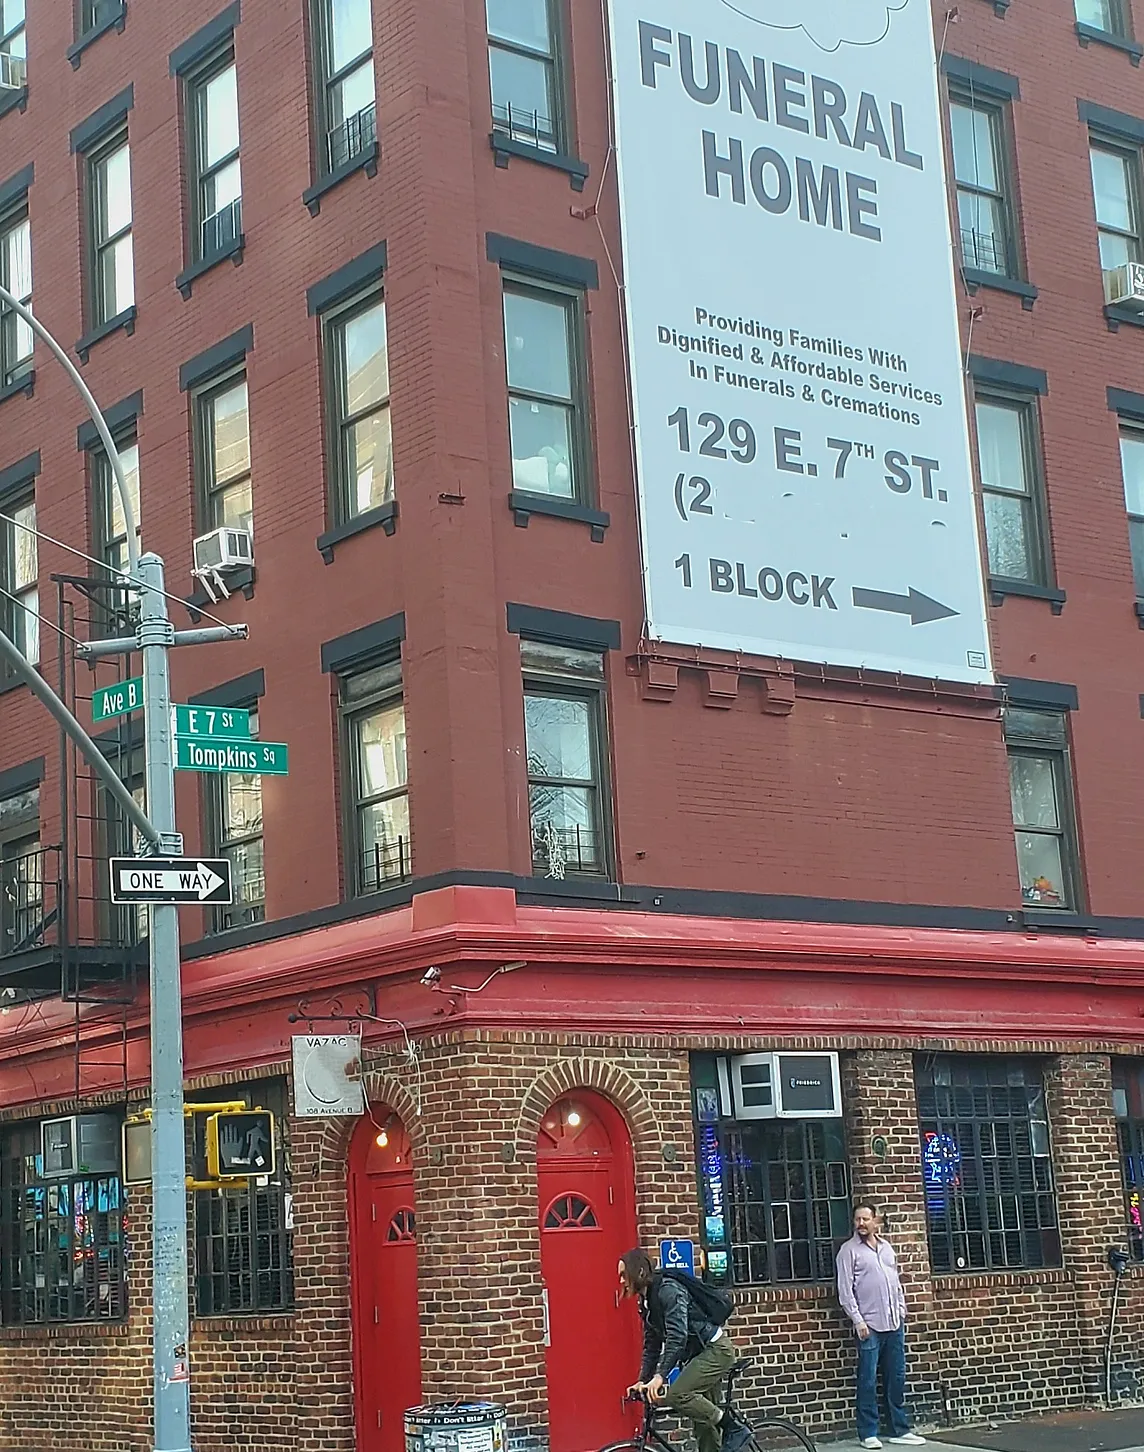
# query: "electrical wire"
x,y
43,619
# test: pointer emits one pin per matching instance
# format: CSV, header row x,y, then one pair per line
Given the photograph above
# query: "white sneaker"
x,y
870,1442
911,1439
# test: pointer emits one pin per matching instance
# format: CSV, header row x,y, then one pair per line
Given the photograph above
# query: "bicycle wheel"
x,y
635,1445
772,1434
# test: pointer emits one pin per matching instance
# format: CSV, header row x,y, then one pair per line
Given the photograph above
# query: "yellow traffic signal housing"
x,y
240,1145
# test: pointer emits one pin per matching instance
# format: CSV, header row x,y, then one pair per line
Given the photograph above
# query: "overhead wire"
x,y
42,619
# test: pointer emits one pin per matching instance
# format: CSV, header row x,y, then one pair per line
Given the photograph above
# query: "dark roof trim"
x,y
981,78
1113,123
382,637
18,475
120,417
557,628
213,360
16,187
100,122
346,280
239,692
1040,695
1126,404
1008,375
20,778
186,56
542,261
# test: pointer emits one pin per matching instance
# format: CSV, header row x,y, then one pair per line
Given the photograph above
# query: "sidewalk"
x,y
1087,1431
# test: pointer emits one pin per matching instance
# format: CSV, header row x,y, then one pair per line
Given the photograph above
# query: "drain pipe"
x,y
1118,1264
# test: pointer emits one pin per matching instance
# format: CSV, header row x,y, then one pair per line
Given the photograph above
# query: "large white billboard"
x,y
804,472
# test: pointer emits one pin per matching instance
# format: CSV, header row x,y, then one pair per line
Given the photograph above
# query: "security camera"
x,y
430,977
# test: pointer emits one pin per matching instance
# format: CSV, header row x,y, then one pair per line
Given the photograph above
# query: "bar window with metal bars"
x,y
1111,16
1011,494
109,223
216,172
243,1234
1116,195
546,393
16,276
13,46
987,1171
61,1240
376,778
1044,820
343,33
524,71
564,729
1128,1107
981,172
222,453
235,820
21,872
362,436
19,576
1132,473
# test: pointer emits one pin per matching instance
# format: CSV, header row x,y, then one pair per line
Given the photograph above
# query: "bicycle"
x,y
770,1434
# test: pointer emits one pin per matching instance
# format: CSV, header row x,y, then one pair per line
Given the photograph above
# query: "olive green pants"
x,y
693,1393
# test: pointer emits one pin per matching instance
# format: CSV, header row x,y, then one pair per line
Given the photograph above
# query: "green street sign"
x,y
254,758
118,700
228,721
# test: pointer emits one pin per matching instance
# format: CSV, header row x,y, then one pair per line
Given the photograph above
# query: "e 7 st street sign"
x,y
171,880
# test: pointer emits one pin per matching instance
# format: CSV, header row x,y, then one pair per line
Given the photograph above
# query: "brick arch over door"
x,y
602,1077
380,1088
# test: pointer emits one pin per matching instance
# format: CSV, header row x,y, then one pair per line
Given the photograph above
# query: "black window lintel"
x,y
186,56
213,360
1000,587
364,161
234,250
1040,695
16,188
99,123
525,504
975,277
124,320
1116,124
119,416
115,19
20,778
25,384
19,475
1128,405
543,262
250,687
1008,375
556,627
13,100
347,280
384,515
359,645
981,78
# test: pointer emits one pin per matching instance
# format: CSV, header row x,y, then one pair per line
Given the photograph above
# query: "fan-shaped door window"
x,y
570,1212
402,1228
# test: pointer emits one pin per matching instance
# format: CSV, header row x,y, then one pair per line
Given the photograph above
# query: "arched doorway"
x,y
586,1185
383,1275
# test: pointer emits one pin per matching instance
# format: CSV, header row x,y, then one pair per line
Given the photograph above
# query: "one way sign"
x,y
171,880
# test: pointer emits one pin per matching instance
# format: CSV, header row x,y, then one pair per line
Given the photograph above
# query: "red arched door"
x,y
383,1261
587,1220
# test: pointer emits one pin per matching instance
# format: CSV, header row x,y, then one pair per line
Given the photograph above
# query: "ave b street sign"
x,y
117,700
171,880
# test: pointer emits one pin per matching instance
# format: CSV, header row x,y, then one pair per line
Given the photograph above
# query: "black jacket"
x,y
675,1329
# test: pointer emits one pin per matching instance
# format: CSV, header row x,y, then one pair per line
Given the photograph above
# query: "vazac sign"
x,y
171,880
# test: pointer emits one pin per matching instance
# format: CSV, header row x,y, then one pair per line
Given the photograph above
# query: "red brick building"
x,y
292,248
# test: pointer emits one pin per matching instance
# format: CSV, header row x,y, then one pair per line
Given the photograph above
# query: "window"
x,y
61,1241
377,785
986,1170
94,13
235,811
19,571
1132,469
1107,15
21,872
1128,1106
13,46
1116,190
1010,488
362,437
113,267
16,276
344,42
224,455
215,173
119,923
524,71
564,735
244,1237
545,391
111,526
1041,790
984,209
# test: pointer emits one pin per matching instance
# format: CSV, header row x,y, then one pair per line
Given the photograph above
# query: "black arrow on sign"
x,y
920,608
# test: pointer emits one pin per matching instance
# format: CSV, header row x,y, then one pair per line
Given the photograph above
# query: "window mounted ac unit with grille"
x,y
82,1144
223,549
784,1085
1125,285
13,72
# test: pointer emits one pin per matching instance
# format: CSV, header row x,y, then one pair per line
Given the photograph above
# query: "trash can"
x,y
456,1427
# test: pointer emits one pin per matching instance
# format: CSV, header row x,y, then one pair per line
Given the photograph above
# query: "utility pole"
x,y
154,638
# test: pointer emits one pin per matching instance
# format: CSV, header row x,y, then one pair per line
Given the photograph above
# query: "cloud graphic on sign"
x,y
830,24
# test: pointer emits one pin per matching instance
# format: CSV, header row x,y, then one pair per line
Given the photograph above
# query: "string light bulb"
x,y
382,1139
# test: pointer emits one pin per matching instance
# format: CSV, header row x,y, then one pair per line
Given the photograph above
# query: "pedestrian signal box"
x,y
240,1144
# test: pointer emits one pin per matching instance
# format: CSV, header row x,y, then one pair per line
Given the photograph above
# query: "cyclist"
x,y
679,1337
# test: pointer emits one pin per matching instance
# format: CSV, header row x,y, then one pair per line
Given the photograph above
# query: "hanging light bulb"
x,y
382,1139
574,1117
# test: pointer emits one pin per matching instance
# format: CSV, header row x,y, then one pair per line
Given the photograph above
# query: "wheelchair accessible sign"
x,y
677,1255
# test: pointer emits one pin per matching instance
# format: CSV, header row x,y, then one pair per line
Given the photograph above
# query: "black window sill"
x,y
974,278
115,21
1060,920
25,384
1000,587
505,147
190,275
365,161
384,514
524,505
1117,313
1139,609
238,582
14,101
124,320
1088,33
8,684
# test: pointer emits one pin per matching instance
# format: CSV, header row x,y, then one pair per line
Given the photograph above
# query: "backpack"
x,y
716,1305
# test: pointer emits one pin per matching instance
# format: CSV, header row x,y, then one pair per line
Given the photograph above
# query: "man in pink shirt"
x,y
871,1295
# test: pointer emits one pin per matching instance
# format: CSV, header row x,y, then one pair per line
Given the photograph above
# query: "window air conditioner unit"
x,y
13,72
84,1144
786,1086
1126,285
223,549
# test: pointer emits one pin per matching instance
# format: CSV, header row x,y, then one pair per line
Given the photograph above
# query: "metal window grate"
x,y
986,1167
222,228
356,134
531,127
384,863
243,1250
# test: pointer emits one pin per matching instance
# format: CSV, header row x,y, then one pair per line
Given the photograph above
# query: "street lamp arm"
x,y
97,418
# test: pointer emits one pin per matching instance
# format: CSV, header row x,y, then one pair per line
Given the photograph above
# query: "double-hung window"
x,y
1128,1107
1111,16
235,819
19,575
223,455
13,47
216,173
110,523
565,732
1116,192
344,46
984,201
546,392
1043,815
16,276
1132,469
21,872
524,71
375,778
361,435
986,1166
1009,464
109,225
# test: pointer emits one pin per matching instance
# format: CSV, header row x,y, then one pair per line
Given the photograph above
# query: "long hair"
x,y
638,1268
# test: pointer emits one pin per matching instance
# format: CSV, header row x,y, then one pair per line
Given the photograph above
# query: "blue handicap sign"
x,y
677,1255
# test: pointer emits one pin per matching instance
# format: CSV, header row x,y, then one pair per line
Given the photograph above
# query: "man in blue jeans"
x,y
871,1295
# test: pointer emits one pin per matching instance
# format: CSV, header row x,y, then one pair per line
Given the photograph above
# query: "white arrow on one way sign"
x,y
170,880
